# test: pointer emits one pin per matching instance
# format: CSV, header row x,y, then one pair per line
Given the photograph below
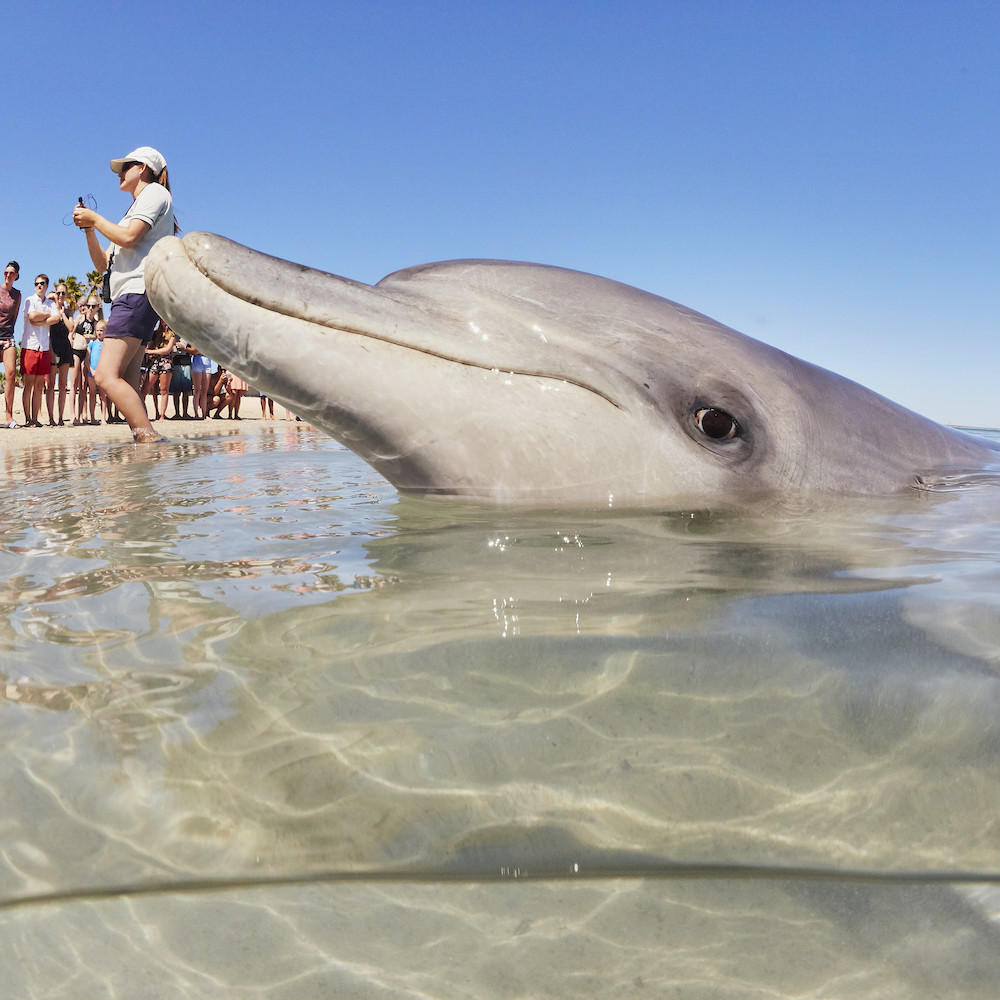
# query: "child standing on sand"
x,y
94,353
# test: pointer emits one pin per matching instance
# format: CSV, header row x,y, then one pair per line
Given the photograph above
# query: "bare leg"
x,y
199,382
163,385
77,393
63,375
34,389
144,389
50,393
10,374
118,372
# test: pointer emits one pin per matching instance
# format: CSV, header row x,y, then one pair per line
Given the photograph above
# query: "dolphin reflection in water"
x,y
523,383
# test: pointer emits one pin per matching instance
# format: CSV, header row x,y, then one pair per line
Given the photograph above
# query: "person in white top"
x,y
132,320
40,313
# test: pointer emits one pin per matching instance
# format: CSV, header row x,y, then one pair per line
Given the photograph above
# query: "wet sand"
x,y
44,436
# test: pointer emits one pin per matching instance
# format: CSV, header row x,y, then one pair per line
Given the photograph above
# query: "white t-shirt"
x,y
156,208
36,338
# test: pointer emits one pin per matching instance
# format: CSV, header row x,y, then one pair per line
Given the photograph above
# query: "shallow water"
x,y
270,730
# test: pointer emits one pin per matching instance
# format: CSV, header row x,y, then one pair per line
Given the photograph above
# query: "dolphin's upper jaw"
x,y
353,308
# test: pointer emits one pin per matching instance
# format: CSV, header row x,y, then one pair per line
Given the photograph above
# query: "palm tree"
x,y
73,289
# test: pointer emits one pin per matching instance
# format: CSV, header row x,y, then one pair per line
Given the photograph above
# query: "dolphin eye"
x,y
716,424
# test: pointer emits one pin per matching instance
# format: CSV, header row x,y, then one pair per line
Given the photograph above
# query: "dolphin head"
x,y
518,382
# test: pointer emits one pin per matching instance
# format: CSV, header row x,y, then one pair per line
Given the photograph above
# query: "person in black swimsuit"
x,y
63,357
79,340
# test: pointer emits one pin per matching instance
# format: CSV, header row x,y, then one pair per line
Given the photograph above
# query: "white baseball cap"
x,y
144,154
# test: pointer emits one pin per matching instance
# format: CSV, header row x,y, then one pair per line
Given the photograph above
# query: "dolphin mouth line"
x,y
512,372
451,359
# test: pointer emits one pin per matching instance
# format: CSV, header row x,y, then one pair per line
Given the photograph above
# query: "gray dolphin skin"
x,y
524,383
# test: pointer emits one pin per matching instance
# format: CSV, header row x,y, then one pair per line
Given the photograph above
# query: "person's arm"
x,y
97,253
126,236
42,317
123,236
167,348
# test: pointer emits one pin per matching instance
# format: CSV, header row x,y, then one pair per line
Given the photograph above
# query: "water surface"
x,y
270,730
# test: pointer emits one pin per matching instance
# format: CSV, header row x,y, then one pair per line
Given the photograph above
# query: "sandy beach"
x,y
44,436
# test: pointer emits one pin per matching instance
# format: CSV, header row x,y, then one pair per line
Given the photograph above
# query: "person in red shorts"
x,y
40,313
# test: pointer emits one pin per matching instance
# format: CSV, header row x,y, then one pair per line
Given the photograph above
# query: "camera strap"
x,y
106,287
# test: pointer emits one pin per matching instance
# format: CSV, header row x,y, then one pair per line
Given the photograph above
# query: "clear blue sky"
x,y
822,176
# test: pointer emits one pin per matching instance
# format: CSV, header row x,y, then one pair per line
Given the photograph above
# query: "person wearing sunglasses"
x,y
40,314
62,359
10,306
132,320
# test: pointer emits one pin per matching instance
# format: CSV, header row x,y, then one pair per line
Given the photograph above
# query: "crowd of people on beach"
x,y
59,346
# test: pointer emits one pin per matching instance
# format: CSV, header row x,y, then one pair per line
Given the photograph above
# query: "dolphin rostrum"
x,y
514,382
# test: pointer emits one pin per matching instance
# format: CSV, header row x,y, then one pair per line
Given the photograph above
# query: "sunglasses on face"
x,y
42,283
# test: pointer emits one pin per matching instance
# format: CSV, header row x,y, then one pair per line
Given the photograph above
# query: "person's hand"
x,y
84,217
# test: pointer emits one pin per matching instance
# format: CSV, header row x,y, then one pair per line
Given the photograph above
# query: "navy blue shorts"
x,y
131,316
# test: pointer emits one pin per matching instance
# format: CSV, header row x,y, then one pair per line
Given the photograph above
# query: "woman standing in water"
x,y
143,175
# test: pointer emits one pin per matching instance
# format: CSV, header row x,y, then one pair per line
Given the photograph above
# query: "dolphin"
x,y
523,383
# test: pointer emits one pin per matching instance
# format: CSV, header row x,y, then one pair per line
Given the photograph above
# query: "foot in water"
x,y
148,437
